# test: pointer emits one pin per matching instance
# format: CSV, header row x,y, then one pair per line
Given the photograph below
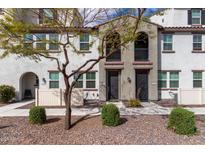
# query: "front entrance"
x,y
28,82
112,85
142,84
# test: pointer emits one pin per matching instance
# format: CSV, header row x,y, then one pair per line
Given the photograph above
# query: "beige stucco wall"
x,y
127,89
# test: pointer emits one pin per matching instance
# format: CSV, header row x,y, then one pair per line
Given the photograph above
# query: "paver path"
x,y
147,109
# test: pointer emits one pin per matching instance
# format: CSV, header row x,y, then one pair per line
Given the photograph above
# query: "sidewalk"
x,y
148,109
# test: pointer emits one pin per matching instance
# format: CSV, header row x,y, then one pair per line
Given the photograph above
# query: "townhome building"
x,y
26,75
167,59
181,56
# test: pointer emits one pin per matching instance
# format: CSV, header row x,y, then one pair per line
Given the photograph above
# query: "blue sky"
x,y
123,11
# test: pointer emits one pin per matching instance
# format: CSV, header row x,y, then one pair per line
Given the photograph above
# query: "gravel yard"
x,y
135,130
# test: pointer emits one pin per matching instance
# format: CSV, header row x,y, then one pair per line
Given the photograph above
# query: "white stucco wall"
x,y
175,17
12,68
183,59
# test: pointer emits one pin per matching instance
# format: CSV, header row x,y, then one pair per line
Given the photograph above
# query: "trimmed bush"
x,y
182,121
134,103
37,115
110,115
6,93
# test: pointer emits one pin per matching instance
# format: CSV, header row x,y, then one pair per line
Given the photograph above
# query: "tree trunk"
x,y
67,97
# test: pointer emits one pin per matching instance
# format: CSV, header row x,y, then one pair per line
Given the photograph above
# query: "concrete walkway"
x,y
147,109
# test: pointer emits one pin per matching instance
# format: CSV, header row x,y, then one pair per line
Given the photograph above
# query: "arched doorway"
x,y
141,47
28,82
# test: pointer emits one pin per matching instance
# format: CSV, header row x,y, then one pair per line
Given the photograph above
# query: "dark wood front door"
x,y
142,85
112,85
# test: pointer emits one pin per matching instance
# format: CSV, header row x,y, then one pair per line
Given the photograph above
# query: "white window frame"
x,y
167,42
92,80
196,17
80,80
53,80
88,42
173,79
198,79
197,42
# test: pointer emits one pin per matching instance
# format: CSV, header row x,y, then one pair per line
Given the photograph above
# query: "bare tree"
x,y
68,24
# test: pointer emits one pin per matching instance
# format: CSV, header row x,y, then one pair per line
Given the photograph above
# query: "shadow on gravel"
x,y
2,127
88,116
51,120
123,121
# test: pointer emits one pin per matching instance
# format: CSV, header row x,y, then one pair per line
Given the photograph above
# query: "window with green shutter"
x,y
28,41
41,41
79,82
54,80
163,79
84,41
167,42
90,79
53,45
174,80
197,79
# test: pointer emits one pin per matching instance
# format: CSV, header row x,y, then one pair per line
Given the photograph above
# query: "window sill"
x,y
114,63
90,89
198,51
168,88
168,51
54,51
142,63
84,51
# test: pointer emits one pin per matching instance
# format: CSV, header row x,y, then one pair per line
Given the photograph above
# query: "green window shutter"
x,y
162,79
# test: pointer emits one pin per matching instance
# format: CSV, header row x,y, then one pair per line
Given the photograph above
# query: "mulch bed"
x,y
143,129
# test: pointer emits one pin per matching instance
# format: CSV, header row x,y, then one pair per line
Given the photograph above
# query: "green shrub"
x,y
37,115
6,93
182,121
134,103
110,115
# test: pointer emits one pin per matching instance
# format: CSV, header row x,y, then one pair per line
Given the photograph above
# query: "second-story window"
x,y
167,42
41,41
196,16
53,45
84,41
197,42
28,41
141,47
113,47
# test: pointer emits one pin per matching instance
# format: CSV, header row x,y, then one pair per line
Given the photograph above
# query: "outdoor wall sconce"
x,y
44,80
129,80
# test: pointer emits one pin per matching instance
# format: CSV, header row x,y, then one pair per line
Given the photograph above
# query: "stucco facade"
x,y
127,67
182,58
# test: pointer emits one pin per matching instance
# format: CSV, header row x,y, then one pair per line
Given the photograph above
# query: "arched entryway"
x,y
28,82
